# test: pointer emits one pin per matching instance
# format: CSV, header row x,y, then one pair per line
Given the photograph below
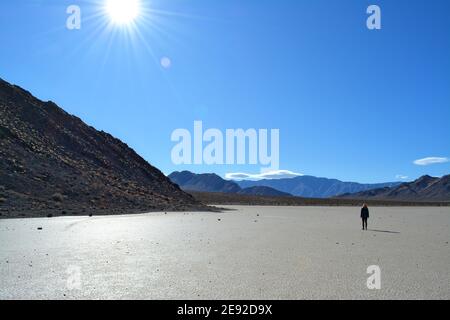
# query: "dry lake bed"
x,y
248,253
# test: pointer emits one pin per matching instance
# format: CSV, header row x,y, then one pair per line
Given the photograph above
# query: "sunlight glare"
x,y
123,11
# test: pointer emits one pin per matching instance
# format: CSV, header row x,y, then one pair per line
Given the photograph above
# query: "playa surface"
x,y
249,253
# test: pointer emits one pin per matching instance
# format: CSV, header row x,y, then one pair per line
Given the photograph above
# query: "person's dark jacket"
x,y
364,213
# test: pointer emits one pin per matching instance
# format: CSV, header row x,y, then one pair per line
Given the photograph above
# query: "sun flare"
x,y
122,11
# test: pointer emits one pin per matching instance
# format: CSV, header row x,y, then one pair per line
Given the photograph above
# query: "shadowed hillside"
x,y
208,182
53,163
425,188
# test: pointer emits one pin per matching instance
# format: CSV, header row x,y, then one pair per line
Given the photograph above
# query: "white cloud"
x,y
401,177
278,174
431,160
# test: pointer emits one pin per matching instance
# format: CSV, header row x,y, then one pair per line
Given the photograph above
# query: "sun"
x,y
122,11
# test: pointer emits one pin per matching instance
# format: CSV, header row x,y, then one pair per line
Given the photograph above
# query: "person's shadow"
x,y
383,231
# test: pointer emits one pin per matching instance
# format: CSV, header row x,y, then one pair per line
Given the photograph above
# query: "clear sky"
x,y
350,103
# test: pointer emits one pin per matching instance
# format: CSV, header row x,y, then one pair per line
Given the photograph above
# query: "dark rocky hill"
x,y
425,188
211,182
52,163
208,182
263,191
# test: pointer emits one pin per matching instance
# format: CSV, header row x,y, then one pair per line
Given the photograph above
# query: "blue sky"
x,y
350,103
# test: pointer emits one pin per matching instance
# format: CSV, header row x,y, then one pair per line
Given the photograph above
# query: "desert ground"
x,y
246,253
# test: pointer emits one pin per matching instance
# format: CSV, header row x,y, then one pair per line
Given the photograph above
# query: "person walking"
x,y
364,216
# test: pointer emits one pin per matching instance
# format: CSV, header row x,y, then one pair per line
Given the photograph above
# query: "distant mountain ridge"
x,y
211,182
206,182
303,186
263,191
425,188
314,187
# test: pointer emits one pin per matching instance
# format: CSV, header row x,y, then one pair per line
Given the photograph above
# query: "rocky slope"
x,y
425,188
52,163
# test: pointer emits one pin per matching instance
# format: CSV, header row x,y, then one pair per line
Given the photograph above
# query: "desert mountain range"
x,y
211,182
302,186
425,188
